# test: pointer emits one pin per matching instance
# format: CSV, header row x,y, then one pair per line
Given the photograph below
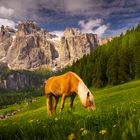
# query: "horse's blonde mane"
x,y
82,89
80,80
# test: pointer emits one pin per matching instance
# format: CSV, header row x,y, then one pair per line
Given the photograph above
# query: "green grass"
x,y
117,116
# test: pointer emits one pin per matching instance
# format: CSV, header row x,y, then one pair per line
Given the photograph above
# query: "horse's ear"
x,y
88,94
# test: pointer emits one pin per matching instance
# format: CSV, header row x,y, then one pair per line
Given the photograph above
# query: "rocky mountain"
x,y
103,41
20,81
30,47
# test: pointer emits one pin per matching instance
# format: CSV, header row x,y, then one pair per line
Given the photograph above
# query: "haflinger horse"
x,y
67,85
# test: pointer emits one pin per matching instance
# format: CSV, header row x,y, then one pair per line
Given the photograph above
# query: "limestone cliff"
x,y
31,47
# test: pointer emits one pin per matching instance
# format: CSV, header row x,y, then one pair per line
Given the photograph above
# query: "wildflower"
x,y
114,125
37,120
30,121
71,136
84,131
56,119
103,132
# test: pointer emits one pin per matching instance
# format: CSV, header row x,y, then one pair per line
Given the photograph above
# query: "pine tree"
x,y
112,69
124,60
116,62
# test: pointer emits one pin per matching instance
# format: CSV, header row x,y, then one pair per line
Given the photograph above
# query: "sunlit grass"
x,y
117,117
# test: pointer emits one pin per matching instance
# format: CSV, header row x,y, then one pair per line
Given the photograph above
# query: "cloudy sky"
x,y
103,17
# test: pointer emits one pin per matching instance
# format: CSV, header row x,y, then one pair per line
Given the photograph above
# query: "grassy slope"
x,y
118,105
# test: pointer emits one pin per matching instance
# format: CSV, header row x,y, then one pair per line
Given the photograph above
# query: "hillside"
x,y
116,117
114,63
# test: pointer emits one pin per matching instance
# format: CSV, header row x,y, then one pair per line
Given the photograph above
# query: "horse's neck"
x,y
82,92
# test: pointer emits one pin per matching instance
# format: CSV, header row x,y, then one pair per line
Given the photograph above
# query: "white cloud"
x,y
6,12
93,26
87,26
7,22
101,30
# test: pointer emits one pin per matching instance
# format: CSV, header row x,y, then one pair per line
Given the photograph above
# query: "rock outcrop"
x,y
31,47
20,81
103,41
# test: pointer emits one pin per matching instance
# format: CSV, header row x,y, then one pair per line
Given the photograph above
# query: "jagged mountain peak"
x,y
31,47
71,32
29,25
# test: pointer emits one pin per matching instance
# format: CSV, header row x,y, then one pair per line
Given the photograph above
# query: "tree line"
x,y
114,63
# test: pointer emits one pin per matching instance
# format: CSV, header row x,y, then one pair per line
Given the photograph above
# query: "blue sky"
x,y
103,17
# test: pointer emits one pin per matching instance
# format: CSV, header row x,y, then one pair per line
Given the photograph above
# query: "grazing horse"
x,y
67,85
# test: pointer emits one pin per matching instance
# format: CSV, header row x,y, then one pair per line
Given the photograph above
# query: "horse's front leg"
x,y
62,102
49,104
72,100
56,99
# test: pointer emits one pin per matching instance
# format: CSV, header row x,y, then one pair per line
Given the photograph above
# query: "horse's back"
x,y
61,84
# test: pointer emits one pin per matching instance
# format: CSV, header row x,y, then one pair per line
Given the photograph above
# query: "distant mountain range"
x,y
103,41
31,47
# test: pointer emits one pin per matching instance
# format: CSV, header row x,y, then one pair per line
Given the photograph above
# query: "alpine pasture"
x,y
117,117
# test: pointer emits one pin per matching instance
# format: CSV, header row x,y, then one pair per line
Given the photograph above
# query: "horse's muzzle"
x,y
93,108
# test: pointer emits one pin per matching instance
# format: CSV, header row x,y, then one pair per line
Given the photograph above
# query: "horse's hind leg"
x,y
56,99
49,104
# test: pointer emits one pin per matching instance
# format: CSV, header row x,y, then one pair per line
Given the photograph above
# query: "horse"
x,y
67,85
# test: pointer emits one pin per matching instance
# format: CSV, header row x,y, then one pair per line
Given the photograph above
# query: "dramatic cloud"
x,y
73,7
101,30
118,13
7,22
93,26
20,9
77,6
88,25
6,12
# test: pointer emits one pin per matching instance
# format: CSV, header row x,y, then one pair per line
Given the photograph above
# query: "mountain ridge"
x,y
31,47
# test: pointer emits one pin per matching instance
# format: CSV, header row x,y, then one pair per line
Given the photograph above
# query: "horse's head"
x,y
86,96
90,101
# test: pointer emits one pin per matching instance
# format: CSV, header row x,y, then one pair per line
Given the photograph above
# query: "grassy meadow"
x,y
117,117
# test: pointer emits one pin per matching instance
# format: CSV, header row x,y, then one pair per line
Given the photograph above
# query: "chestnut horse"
x,y
67,85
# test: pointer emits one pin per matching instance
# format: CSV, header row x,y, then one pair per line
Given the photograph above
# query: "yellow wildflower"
x,y
56,119
84,131
71,136
103,132
114,125
30,121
